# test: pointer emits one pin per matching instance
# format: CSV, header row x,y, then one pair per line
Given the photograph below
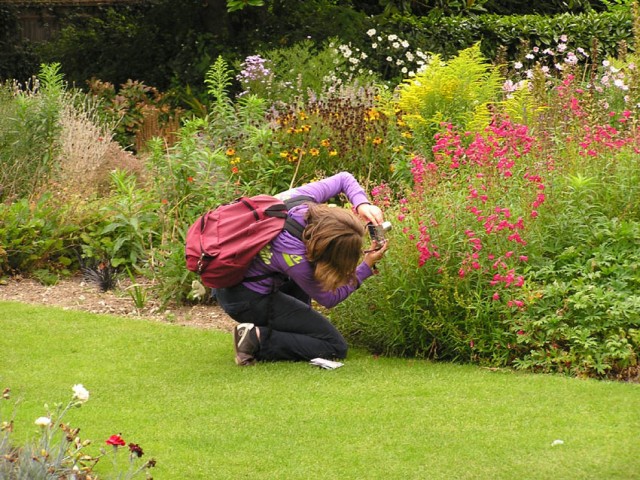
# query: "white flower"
x,y
389,59
404,70
404,43
571,59
391,38
509,86
80,392
374,45
395,45
562,47
557,442
43,421
517,65
530,56
563,38
371,32
620,84
363,56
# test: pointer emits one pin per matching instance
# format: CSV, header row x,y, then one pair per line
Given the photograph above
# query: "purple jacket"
x,y
286,254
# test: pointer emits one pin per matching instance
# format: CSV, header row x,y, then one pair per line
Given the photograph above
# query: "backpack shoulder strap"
x,y
291,225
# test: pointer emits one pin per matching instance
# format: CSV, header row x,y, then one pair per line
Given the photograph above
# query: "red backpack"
x,y
221,244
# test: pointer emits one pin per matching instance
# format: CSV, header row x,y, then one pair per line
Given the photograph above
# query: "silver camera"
x,y
377,232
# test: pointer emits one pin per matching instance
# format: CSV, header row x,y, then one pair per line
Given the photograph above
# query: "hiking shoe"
x,y
246,343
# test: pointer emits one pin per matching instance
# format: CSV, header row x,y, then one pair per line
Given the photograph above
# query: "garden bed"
x,y
77,294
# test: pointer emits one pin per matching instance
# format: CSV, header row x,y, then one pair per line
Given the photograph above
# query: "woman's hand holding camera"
x,y
375,254
370,213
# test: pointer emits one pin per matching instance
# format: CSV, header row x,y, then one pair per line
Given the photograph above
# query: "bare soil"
x,y
77,294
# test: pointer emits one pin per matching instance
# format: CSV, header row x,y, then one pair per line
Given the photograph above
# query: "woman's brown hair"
x,y
333,237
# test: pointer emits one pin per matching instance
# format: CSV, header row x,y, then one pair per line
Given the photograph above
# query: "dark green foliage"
x,y
35,237
545,7
587,318
17,59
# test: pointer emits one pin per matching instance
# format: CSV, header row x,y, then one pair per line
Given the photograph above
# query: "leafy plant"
x,y
36,236
136,291
127,230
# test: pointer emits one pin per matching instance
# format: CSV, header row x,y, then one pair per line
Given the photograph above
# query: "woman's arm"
x,y
322,190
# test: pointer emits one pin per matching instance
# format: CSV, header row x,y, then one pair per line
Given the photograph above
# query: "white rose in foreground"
x,y
80,393
43,421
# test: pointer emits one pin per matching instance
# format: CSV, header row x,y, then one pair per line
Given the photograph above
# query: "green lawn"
x,y
176,392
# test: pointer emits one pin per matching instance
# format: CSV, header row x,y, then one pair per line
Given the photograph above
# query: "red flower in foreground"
x,y
116,441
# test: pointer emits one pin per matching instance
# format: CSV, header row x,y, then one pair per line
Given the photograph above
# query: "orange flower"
x,y
234,170
231,152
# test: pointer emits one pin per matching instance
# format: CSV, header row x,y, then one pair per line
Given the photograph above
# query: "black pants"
x,y
297,332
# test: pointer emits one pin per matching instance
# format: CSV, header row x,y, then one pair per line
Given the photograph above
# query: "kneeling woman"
x,y
276,321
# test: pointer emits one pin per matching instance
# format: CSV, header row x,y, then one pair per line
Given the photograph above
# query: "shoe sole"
x,y
242,359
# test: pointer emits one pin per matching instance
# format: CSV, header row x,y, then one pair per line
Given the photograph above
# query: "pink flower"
x,y
496,296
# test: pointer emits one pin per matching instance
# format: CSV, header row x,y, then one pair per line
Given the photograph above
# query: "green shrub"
x,y
458,92
29,130
585,317
127,229
37,236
